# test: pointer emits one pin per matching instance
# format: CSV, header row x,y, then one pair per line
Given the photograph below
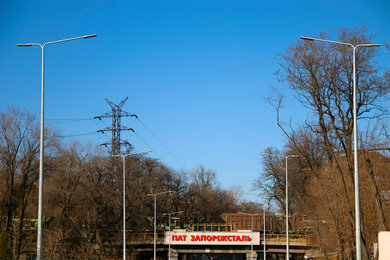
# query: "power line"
x,y
65,120
119,113
73,135
151,148
381,54
166,148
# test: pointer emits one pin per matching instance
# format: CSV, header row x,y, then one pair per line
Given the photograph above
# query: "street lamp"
x,y
287,236
264,242
41,148
155,216
169,221
355,141
124,195
264,249
250,214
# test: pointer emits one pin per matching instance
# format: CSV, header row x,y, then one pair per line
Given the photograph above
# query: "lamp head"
x,y
89,36
307,38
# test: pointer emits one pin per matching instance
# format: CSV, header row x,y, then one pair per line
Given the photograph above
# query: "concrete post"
x,y
174,255
248,255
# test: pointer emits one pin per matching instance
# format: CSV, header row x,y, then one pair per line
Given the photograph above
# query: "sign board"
x,y
212,238
384,245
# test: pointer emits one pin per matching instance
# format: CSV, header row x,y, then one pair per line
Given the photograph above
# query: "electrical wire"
x,y
72,120
60,120
151,148
381,54
65,120
166,148
65,136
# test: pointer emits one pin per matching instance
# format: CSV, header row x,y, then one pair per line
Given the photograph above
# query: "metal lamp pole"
x,y
249,214
155,216
41,145
287,232
287,235
355,141
169,221
124,195
265,254
252,237
264,243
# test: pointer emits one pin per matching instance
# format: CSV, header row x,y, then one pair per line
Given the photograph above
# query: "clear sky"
x,y
196,72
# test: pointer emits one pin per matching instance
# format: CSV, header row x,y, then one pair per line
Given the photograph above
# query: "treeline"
x,y
321,178
83,193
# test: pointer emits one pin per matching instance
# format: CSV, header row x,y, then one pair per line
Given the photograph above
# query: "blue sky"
x,y
196,72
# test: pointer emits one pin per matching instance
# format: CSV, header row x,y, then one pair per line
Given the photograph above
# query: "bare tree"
x,y
19,146
83,193
320,76
209,200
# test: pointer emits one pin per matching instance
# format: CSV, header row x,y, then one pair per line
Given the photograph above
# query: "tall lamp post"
x,y
155,216
169,221
124,195
264,249
41,145
250,214
264,242
355,141
287,235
